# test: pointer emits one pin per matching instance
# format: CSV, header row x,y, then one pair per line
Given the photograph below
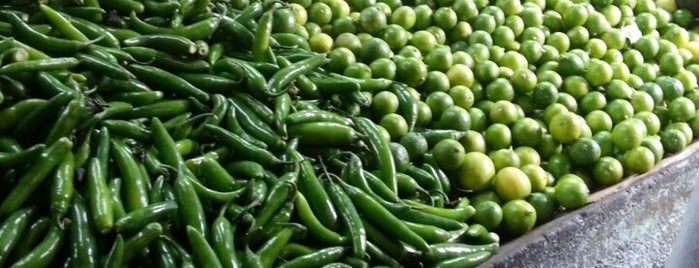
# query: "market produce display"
x,y
331,133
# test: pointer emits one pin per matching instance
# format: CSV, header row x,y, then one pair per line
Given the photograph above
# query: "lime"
x,y
571,191
527,132
401,159
424,41
473,141
548,146
673,140
591,101
455,118
565,127
340,58
628,134
672,88
503,158
435,81
415,144
460,74
372,20
655,144
544,206
383,103
606,144
395,124
544,94
642,102
681,109
639,160
488,214
411,71
439,59
584,151
462,96
518,217
528,156
404,16
476,172
607,171
511,183
438,102
619,110
559,165
497,136
449,154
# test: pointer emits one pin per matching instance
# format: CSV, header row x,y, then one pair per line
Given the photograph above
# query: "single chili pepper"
x,y
11,230
234,30
289,73
165,145
431,234
67,120
111,109
211,83
132,95
350,217
380,216
424,178
218,112
127,129
246,169
15,113
164,9
22,158
83,244
99,197
163,109
137,219
122,86
62,24
34,54
315,227
136,243
381,256
270,250
121,33
43,42
103,67
465,261
282,108
407,104
406,213
9,144
354,262
61,194
232,125
163,79
196,31
115,257
215,52
189,205
244,148
114,186
223,242
45,252
324,134
30,238
41,116
135,191
444,251
379,187
94,31
35,175
51,64
337,265
408,187
283,191
14,88
292,250
52,85
252,259
461,214
257,107
291,40
263,32
14,55
332,86
257,192
203,253
172,44
213,195
380,149
216,175
309,185
317,259
308,116
164,255
123,6
186,147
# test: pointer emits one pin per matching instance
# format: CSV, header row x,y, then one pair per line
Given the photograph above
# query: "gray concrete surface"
x,y
632,224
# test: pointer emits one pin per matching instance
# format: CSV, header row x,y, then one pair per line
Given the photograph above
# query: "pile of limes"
x,y
552,98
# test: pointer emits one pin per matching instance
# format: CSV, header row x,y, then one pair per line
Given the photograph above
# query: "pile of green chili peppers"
x,y
184,134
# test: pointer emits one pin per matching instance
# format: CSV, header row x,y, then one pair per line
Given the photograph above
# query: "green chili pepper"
x,y
166,80
380,149
83,244
281,192
94,31
315,227
222,239
45,252
13,114
350,217
136,243
137,219
62,24
244,148
196,31
377,214
134,188
62,190
162,109
115,257
203,253
35,175
189,205
445,251
316,259
324,133
31,237
11,231
287,74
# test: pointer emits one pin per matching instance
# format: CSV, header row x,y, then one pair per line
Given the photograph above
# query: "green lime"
x,y
476,172
518,217
571,193
488,214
